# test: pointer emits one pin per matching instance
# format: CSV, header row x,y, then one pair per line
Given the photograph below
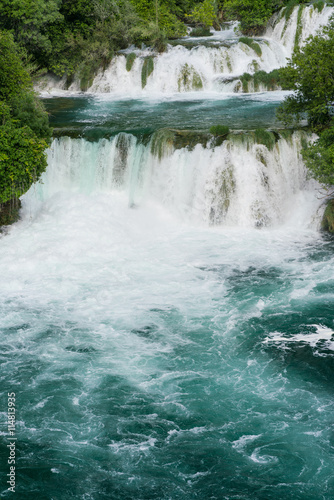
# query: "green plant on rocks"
x,y
162,142
147,69
189,79
219,130
252,44
130,59
265,137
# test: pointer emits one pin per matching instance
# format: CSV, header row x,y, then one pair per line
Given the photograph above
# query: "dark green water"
x,y
93,117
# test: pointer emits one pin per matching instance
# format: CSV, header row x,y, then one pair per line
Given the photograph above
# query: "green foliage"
x,y
299,28
130,59
289,8
252,44
319,157
219,130
199,31
189,79
22,160
319,5
28,20
147,69
29,111
252,14
270,80
245,79
265,137
24,129
13,77
310,73
162,142
204,13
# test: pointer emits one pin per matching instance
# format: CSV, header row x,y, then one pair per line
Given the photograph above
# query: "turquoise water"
x,y
95,117
156,358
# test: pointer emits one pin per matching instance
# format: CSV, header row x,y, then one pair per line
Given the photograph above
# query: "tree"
x,y
252,14
24,130
28,21
310,73
204,13
319,158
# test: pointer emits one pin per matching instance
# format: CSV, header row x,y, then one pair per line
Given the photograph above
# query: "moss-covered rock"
x,y
189,79
327,223
9,212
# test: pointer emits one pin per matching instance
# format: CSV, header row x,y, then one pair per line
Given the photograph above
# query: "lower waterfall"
x,y
237,183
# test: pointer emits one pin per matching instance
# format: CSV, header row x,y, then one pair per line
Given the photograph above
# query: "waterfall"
x,y
240,182
209,66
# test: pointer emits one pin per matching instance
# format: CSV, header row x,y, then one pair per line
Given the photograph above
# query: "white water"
x,y
213,68
239,183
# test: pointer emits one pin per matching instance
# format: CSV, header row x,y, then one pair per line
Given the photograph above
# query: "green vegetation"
x,y
200,32
299,27
319,157
319,5
289,9
147,69
310,73
219,130
24,131
252,44
130,59
271,81
254,14
266,138
189,79
204,14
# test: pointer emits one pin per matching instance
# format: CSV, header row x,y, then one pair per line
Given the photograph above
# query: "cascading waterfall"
x,y
210,66
238,183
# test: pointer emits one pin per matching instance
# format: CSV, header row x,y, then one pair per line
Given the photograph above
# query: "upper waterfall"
x,y
212,64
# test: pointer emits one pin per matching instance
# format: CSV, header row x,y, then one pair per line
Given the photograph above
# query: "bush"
x,y
219,130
